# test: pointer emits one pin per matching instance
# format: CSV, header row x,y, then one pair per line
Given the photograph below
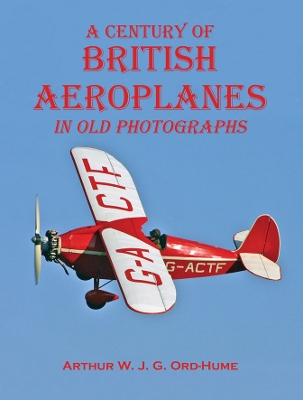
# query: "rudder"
x,y
263,238
260,249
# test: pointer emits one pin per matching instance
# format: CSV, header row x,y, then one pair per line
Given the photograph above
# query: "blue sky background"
x,y
200,187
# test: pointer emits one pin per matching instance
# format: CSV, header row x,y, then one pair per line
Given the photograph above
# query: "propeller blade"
x,y
37,242
37,216
37,258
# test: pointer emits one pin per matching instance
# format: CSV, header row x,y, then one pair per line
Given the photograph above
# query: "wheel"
x,y
94,306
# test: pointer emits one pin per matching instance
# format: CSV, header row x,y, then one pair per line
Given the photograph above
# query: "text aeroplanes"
x,y
115,248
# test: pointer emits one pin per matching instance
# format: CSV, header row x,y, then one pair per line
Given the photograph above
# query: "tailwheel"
x,y
96,299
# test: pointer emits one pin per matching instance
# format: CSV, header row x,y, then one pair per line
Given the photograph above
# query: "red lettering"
x,y
187,96
216,99
133,126
46,96
112,98
88,58
258,97
67,366
95,184
207,365
175,365
107,31
230,95
201,58
181,30
138,95
122,124
135,57
231,125
219,124
242,124
192,126
67,96
103,170
121,29
234,366
92,31
182,57
158,105
91,97
101,203
112,58
124,365
167,31
77,366
156,278
150,50
157,365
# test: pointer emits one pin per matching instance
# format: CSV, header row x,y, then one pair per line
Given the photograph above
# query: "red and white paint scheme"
x,y
115,248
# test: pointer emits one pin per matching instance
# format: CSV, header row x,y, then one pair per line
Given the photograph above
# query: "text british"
x,y
200,58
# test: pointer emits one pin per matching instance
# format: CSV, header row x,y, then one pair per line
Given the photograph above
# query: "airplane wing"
x,y
108,186
115,204
144,280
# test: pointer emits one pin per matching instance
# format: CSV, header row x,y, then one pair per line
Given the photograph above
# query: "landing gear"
x,y
95,306
96,299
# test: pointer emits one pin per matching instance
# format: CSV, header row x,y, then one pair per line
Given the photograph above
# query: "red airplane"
x,y
115,248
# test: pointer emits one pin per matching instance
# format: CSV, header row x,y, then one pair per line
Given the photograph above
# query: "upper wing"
x,y
145,282
108,186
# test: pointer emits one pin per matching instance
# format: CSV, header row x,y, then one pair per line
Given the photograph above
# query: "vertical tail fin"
x,y
261,248
263,238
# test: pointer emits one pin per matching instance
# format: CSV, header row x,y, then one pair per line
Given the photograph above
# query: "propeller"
x,y
37,242
46,243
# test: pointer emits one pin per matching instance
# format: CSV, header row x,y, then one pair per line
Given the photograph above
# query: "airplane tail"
x,y
260,249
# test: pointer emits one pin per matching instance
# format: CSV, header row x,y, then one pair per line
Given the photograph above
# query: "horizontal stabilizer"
x,y
261,266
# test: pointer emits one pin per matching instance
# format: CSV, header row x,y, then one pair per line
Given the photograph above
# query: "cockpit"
x,y
158,239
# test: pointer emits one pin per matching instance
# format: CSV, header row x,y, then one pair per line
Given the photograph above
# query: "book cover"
x,y
202,103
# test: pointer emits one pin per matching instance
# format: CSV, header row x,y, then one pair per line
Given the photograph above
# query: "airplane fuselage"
x,y
82,250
